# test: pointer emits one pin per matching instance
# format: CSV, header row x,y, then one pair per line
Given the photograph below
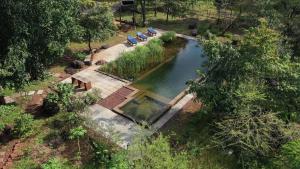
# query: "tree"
x,y
244,84
97,24
33,35
77,133
175,8
251,134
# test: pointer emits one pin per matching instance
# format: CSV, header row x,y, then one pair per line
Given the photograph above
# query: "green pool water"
x,y
164,83
170,79
144,109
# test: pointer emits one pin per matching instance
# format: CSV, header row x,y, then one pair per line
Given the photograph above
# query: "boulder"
x,y
70,70
7,100
106,46
77,64
101,62
194,32
193,25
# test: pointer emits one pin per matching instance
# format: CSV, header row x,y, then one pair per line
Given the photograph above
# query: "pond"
x,y
170,79
166,82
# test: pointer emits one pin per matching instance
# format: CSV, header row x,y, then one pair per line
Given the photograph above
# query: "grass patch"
x,y
32,86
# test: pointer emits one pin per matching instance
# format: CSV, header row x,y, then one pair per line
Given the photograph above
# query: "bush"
x,y
51,104
79,55
203,28
289,157
92,97
131,64
56,163
168,36
102,155
61,99
23,126
8,115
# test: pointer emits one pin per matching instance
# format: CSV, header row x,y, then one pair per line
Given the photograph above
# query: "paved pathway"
x,y
106,84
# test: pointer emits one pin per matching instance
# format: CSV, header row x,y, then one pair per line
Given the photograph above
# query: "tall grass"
x,y
132,64
168,37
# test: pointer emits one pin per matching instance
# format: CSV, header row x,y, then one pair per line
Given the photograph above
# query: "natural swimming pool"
x,y
170,79
167,81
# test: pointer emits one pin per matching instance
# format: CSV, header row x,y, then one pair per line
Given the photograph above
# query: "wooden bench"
x,y
81,80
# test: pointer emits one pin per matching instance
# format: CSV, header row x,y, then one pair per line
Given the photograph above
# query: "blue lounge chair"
x,y
141,36
152,32
131,40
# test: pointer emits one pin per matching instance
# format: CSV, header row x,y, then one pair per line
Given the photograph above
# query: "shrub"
x,y
65,91
102,155
289,157
79,55
168,36
92,97
56,163
131,64
61,99
24,126
51,104
8,114
202,28
77,105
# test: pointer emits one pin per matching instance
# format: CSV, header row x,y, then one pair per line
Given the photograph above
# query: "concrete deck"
x,y
106,84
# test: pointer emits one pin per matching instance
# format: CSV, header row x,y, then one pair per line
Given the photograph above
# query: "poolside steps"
x,y
116,98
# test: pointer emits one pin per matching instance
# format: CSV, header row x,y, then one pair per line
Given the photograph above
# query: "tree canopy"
x,y
33,34
252,88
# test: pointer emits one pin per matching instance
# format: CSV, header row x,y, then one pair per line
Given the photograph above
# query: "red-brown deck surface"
x,y
116,98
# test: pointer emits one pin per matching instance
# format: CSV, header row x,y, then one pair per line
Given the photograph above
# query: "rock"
x,y
31,93
106,46
194,32
88,62
39,92
193,25
70,70
77,64
101,62
7,100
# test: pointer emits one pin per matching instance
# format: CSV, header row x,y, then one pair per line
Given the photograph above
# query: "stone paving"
x,y
106,84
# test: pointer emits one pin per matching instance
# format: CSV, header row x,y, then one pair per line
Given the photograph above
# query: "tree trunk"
x,y
89,43
120,11
78,144
143,5
133,15
155,8
168,11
